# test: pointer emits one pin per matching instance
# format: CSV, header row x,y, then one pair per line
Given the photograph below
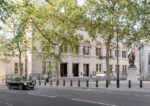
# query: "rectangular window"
x,y
44,67
85,50
98,67
98,51
116,68
124,54
16,68
124,69
116,53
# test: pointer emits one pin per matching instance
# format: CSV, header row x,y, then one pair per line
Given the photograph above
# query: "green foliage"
x,y
104,57
105,17
57,23
6,9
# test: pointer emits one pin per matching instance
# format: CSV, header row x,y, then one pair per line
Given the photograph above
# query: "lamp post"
x,y
26,59
118,83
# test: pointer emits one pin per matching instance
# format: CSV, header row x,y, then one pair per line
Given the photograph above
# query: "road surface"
x,y
47,96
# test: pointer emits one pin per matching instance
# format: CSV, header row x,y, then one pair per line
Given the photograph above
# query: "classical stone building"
x,y
145,61
86,61
11,67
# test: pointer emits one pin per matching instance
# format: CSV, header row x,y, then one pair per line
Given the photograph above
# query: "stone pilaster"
x,y
80,69
80,50
69,70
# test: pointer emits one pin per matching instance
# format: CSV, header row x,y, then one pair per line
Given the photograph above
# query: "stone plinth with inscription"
x,y
132,74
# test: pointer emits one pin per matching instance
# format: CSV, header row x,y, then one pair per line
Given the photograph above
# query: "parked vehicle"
x,y
20,83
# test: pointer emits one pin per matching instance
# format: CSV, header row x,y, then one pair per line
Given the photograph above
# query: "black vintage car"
x,y
20,83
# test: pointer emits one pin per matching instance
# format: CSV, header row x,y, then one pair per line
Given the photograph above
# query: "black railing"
x,y
85,83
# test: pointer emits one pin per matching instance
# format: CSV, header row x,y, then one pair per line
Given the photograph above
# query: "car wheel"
x,y
32,88
20,87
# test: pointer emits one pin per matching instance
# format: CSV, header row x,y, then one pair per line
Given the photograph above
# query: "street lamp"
x,y
26,59
118,83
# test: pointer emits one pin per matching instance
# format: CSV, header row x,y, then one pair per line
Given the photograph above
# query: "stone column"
x,y
92,50
80,50
90,69
80,69
69,70
120,53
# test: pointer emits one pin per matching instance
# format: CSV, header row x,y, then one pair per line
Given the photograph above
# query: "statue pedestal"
x,y
132,74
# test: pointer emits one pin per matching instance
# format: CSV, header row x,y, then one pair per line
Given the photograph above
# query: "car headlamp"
x,y
25,83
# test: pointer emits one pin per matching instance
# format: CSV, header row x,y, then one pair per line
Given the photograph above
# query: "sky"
x,y
81,2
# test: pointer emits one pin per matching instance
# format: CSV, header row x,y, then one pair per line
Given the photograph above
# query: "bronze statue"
x,y
131,58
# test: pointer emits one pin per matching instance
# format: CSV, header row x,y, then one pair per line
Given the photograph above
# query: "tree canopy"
x,y
54,23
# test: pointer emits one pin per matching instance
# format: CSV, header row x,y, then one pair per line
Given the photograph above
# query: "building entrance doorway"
x,y
86,70
75,70
63,69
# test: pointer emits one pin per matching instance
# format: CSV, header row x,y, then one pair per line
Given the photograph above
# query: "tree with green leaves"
x,y
6,9
5,49
16,32
55,24
104,17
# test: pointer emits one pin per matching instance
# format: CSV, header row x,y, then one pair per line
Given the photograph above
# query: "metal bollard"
x,y
141,84
118,83
51,83
106,83
39,82
64,83
78,83
87,83
129,84
45,82
96,83
71,83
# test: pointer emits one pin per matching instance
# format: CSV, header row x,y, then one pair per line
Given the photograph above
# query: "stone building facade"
x,y
11,67
86,62
145,61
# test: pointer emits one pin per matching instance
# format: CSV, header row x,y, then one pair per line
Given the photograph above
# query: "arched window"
x,y
124,52
118,51
98,49
86,47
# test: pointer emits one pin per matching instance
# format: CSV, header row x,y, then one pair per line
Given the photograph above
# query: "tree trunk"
x,y
58,63
20,63
18,46
58,70
107,62
26,66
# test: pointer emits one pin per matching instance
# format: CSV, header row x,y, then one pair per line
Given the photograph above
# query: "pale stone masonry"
x,y
145,61
83,64
86,63
11,68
